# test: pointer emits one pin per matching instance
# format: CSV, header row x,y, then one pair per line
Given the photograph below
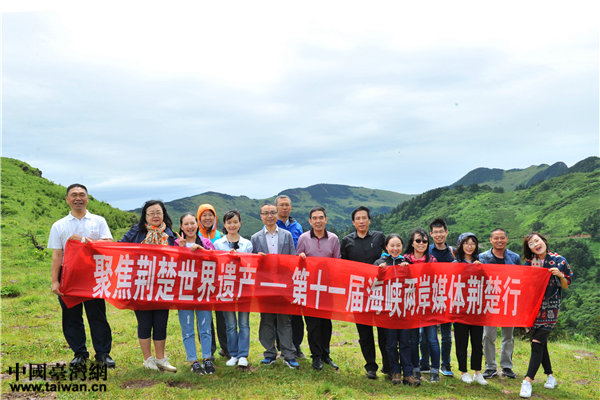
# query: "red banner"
x,y
138,276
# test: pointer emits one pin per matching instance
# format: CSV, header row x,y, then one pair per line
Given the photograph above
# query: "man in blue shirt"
x,y
498,254
284,221
442,253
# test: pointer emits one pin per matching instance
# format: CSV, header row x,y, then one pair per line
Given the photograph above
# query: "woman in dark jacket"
x,y
154,228
397,340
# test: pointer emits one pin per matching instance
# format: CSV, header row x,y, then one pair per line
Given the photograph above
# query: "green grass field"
x,y
32,333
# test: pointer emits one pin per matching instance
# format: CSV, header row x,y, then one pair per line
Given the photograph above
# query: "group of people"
x,y
282,234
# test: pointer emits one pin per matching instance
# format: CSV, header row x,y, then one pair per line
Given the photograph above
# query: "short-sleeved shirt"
x,y
91,226
366,250
312,246
446,255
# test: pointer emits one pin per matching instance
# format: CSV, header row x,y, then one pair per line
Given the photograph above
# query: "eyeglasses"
x,y
265,213
419,241
158,214
469,245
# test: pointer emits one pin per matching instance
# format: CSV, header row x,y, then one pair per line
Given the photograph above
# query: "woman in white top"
x,y
238,343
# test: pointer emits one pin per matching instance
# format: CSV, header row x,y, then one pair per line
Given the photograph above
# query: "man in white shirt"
x,y
273,240
82,226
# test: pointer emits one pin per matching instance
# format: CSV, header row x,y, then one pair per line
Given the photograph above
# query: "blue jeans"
x,y
446,330
429,333
203,321
238,344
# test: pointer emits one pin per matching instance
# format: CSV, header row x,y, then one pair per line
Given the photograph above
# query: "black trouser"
x,y
319,337
539,353
461,342
367,346
221,333
297,331
74,329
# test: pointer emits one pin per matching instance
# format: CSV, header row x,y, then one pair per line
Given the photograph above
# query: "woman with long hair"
x,y
153,228
535,250
238,343
188,237
467,251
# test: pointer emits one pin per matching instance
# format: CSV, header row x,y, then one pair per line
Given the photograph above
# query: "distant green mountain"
x,y
519,178
338,200
557,207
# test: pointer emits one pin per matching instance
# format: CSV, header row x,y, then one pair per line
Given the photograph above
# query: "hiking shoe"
x,y
480,379
466,378
417,375
150,363
489,373
317,364
550,383
196,368
243,362
164,365
396,378
209,369
371,374
509,373
434,378
232,362
268,361
411,381
299,353
224,353
446,371
293,364
525,389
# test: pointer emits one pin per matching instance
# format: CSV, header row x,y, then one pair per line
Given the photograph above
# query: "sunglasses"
x,y
419,241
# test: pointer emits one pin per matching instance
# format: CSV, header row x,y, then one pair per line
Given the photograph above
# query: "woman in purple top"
x,y
535,250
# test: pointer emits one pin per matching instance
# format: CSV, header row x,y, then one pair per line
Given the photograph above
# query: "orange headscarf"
x,y
203,231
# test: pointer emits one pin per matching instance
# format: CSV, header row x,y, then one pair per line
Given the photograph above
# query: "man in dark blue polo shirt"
x,y
442,253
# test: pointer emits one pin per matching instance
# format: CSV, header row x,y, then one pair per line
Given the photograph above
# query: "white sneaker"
x,y
164,365
480,379
525,389
550,383
243,362
232,362
150,363
466,378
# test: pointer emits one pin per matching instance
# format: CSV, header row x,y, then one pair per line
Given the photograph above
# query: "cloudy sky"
x,y
153,99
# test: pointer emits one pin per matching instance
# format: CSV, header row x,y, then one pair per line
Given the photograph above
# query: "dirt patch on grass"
x,y
181,385
580,354
19,326
139,384
44,316
249,368
583,382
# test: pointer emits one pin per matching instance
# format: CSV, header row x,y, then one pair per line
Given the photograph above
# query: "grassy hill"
x,y
520,178
339,201
560,208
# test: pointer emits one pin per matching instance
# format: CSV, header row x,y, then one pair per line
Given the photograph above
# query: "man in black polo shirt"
x,y
366,246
